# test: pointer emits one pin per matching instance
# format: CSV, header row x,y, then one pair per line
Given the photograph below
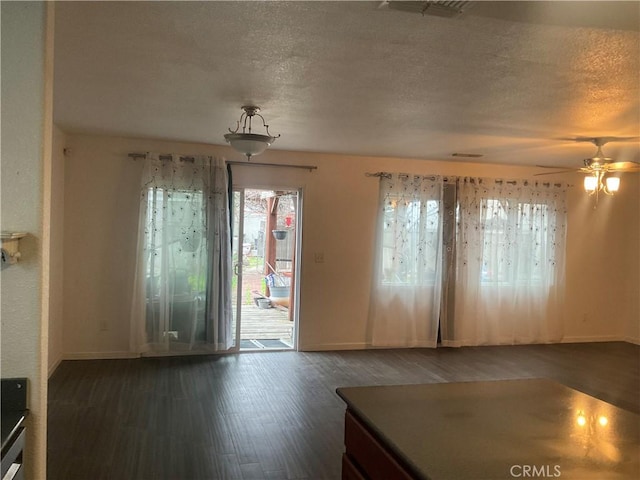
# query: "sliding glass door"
x,y
266,235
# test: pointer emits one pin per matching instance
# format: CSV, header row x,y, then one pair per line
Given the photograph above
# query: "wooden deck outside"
x,y
261,323
270,323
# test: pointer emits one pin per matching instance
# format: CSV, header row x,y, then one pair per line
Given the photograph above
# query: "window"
x,y
508,283
516,247
173,240
182,296
481,259
405,296
411,239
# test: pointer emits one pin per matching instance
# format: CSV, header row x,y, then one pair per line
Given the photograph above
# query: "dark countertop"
x,y
497,429
14,407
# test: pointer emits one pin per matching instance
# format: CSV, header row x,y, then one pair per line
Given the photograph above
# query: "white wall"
x,y
27,55
101,186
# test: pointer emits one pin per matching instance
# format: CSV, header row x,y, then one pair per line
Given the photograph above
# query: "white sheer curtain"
x,y
182,297
510,264
405,293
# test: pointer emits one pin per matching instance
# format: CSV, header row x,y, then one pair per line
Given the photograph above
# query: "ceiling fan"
x,y
599,162
600,168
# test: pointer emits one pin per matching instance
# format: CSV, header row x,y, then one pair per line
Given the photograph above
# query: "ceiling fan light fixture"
x,y
600,170
612,184
590,183
599,182
247,142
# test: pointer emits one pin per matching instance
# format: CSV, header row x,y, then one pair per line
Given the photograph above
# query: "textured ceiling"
x,y
508,80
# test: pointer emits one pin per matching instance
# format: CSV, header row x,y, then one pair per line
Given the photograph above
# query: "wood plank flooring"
x,y
270,323
273,415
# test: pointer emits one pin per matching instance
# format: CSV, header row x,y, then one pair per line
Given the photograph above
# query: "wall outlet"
x,y
104,326
318,257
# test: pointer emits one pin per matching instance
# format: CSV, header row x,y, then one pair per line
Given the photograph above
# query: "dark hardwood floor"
x,y
274,415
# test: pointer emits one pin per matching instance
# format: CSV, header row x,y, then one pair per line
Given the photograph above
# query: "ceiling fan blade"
x,y
599,140
623,167
551,166
605,140
556,173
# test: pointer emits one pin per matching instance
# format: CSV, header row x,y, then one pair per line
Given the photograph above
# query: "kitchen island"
x,y
533,428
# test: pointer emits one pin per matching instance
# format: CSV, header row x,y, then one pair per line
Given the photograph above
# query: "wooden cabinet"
x,y
350,471
366,456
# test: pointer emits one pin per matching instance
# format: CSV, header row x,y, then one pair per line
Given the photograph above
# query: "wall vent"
x,y
436,8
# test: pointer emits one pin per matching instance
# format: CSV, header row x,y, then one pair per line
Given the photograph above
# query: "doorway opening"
x,y
265,245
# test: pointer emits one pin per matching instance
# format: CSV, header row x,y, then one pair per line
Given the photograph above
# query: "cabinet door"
x,y
349,470
367,453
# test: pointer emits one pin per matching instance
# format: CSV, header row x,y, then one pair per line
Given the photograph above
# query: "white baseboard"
x,y
597,338
99,355
54,365
322,347
365,346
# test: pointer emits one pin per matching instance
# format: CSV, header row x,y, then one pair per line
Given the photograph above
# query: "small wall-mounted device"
x,y
11,246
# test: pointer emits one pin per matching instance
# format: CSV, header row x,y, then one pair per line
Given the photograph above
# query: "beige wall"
x,y
603,288
27,55
338,220
631,267
56,232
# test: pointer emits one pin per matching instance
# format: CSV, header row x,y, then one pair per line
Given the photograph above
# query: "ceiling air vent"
x,y
439,9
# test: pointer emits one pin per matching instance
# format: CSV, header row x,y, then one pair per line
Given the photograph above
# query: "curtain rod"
x,y
447,178
282,165
401,175
191,159
167,156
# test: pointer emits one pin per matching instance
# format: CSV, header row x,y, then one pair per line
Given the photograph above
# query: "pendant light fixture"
x,y
247,142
